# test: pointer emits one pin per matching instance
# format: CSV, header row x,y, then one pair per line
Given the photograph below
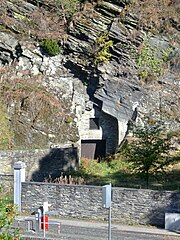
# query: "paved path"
x,y
81,229
120,227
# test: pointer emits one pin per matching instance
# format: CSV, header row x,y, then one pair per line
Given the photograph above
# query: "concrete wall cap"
x,y
19,165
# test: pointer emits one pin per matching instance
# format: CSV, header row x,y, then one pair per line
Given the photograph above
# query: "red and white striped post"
x,y
59,228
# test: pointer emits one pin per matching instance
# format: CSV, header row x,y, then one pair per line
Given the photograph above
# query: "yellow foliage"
x,y
103,46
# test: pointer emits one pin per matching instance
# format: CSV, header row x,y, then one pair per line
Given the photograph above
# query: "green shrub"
x,y
150,60
7,216
51,46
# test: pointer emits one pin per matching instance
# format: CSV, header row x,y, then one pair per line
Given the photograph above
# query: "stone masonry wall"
x,y
129,206
108,129
6,182
40,163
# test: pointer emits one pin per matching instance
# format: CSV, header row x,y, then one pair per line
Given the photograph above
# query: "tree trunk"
x,y
147,179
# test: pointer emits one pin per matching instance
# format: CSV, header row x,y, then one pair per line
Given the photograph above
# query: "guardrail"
x,y
30,225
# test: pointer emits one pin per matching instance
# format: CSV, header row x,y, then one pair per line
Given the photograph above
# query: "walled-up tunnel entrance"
x,y
93,149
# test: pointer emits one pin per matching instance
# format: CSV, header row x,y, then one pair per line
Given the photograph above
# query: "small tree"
x,y
102,45
148,152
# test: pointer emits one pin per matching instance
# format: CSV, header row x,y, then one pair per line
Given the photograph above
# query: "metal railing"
x,y
31,226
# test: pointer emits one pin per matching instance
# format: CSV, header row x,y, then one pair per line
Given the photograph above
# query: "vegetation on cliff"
x,y
87,25
151,61
29,108
6,135
157,16
103,45
51,47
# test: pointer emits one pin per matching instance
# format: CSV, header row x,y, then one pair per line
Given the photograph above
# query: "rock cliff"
x,y
46,97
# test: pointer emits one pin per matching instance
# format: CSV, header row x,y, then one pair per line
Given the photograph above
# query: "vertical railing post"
x,y
107,202
19,177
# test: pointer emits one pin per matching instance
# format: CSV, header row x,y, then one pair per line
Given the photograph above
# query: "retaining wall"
x,y
130,206
40,163
7,182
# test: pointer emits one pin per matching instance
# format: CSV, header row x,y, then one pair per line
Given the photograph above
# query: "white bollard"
x,y
59,229
19,177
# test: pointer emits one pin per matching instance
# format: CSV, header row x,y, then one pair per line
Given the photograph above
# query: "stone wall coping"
x,y
39,149
143,190
100,187
25,150
62,185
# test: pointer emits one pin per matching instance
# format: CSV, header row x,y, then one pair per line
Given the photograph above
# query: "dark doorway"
x,y
93,149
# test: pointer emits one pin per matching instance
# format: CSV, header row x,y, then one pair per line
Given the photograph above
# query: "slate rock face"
x,y
113,86
76,81
37,95
8,48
